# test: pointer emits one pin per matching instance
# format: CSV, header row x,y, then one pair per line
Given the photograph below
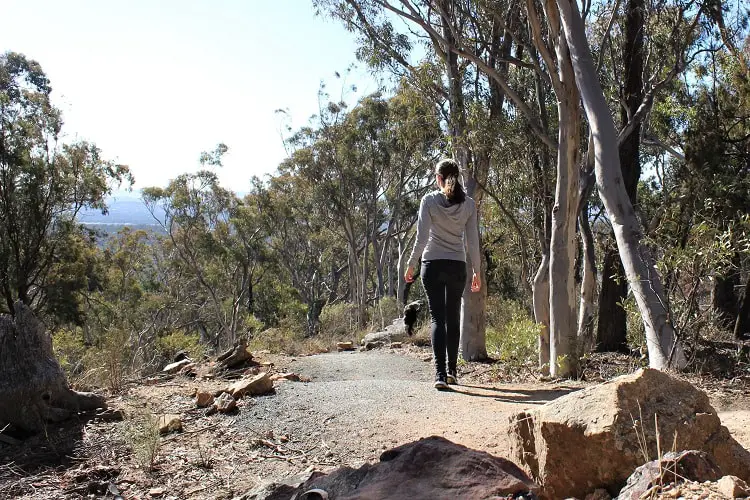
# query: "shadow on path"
x,y
511,395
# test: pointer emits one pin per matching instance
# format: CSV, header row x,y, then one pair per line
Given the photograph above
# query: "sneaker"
x,y
452,377
441,382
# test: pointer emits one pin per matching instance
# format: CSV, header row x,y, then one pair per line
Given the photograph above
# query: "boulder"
x,y
256,386
432,468
169,423
609,428
176,366
395,332
733,487
204,399
691,465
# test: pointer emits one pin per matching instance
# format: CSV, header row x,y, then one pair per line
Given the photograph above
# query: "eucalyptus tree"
x,y
664,349
43,187
301,237
201,219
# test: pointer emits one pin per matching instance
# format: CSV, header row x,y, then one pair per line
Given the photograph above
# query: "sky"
x,y
155,83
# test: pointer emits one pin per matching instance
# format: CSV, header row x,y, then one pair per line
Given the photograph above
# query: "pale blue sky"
x,y
154,83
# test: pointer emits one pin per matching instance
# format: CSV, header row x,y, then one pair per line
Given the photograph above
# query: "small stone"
x,y
733,487
256,386
169,423
285,376
225,403
175,367
375,344
204,399
345,346
397,345
156,492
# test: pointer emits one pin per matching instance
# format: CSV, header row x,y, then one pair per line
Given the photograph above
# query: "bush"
x,y
339,319
169,345
383,312
69,349
512,334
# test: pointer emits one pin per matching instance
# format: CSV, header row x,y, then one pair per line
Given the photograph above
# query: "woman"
x,y
447,223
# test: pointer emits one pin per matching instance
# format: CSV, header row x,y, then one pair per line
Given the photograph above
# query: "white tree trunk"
x,y
663,348
540,298
586,309
473,318
563,352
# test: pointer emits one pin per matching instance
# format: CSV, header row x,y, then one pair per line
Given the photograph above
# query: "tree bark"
x,y
563,350
33,388
724,299
586,339
541,302
612,331
664,348
742,325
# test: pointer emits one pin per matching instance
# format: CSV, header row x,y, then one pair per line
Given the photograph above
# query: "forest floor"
x,y
348,408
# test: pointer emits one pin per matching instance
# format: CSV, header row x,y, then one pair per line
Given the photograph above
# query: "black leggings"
x,y
444,281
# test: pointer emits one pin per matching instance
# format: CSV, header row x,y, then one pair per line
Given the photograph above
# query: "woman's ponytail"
x,y
453,190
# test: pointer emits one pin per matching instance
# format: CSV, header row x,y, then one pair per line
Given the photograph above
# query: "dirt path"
x,y
358,404
361,403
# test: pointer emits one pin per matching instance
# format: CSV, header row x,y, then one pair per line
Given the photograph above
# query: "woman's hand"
x,y
409,274
476,284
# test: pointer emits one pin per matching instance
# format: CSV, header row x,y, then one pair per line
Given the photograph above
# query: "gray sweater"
x,y
444,230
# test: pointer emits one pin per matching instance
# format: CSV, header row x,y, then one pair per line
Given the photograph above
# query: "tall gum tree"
x,y
664,348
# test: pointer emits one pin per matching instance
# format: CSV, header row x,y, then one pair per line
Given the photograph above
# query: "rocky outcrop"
x,y
596,437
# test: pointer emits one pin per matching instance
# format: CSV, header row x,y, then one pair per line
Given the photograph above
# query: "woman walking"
x,y
447,225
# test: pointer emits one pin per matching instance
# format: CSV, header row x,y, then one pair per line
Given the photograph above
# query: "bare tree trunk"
x,y
473,314
541,310
586,338
612,330
742,325
33,388
664,349
563,351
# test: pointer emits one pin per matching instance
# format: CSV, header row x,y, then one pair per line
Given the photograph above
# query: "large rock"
x,y
592,438
395,332
433,468
256,386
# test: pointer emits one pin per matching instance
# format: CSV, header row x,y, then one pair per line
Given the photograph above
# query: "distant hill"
x,y
122,212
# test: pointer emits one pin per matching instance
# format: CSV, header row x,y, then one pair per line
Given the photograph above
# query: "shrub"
x,y
69,349
169,345
512,334
338,320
